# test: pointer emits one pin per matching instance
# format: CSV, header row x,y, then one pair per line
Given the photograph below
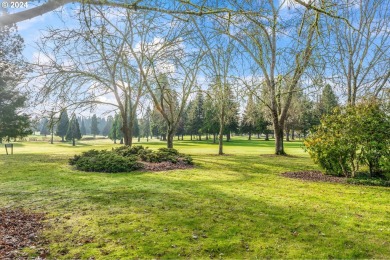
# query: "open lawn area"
x,y
232,206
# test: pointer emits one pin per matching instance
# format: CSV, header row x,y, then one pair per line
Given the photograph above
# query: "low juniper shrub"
x,y
125,159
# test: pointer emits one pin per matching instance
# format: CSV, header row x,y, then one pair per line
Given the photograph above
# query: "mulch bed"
x,y
314,176
165,166
19,229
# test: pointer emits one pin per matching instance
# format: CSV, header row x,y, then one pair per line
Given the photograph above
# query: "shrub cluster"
x,y
125,159
352,137
104,161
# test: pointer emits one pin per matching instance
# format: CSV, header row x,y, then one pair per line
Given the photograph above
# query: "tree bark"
x,y
220,147
228,136
170,135
287,135
278,132
250,136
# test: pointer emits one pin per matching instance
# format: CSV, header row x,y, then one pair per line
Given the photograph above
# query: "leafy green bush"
x,y
164,155
125,159
104,161
351,137
128,151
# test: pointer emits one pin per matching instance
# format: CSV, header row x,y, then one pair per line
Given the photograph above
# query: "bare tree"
x,y
360,54
89,66
217,67
174,7
280,47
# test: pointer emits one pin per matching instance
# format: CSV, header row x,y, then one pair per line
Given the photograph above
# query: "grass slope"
x,y
233,206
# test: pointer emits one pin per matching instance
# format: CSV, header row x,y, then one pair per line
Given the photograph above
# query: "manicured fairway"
x,y
232,206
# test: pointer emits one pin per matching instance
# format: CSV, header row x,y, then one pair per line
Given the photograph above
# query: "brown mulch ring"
x,y
19,229
165,166
314,176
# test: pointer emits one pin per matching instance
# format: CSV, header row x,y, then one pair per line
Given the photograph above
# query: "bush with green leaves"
x,y
104,161
164,155
125,159
128,151
352,137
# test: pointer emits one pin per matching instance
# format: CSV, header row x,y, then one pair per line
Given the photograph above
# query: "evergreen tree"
x,y
136,131
188,118
328,100
83,130
63,125
73,132
94,126
12,68
146,124
116,129
198,115
211,123
249,118
232,119
101,124
107,128
44,130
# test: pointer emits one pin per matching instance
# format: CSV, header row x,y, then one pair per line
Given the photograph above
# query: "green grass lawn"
x,y
232,206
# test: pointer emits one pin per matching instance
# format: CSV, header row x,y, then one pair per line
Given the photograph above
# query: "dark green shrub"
x,y
128,151
168,151
188,159
125,159
145,155
105,161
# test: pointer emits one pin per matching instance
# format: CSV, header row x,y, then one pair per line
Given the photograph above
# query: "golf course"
x,y
237,205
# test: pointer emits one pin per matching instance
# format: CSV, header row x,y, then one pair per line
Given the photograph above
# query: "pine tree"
x,y
107,127
211,123
12,69
198,115
94,126
146,124
249,118
83,130
136,131
44,130
328,100
232,119
63,125
116,129
73,132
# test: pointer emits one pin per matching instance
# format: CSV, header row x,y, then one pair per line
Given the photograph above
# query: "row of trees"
x,y
88,125
200,119
261,47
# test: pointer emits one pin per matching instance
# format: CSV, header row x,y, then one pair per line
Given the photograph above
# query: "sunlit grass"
x,y
232,206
